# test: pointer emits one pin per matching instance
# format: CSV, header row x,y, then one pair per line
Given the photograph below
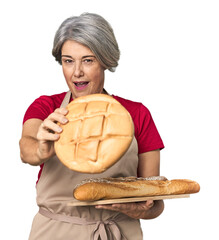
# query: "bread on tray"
x,y
113,188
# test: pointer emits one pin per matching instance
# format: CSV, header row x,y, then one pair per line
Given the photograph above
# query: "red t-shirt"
x,y
146,133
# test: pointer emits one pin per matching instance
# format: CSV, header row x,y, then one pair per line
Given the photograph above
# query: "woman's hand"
x,y
48,132
149,165
37,141
140,210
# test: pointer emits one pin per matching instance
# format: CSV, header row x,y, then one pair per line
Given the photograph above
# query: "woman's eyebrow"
x,y
67,56
88,56
82,57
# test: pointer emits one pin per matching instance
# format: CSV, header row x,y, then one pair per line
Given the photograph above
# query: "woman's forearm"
x,y
37,141
29,151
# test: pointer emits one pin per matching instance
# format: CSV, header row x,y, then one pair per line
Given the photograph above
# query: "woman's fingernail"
x,y
151,205
64,120
59,129
56,136
65,111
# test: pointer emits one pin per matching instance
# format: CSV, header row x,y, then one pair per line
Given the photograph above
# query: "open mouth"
x,y
81,85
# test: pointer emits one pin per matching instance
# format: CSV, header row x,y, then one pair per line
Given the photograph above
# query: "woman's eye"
x,y
67,60
88,60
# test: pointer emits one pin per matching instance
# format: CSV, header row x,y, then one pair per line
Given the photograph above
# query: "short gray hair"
x,y
94,32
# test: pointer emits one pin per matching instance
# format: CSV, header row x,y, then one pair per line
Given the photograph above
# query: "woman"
x,y
85,46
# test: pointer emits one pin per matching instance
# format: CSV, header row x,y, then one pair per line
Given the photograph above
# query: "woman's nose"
x,y
78,71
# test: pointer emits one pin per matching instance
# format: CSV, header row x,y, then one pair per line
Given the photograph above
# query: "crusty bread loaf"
x,y
111,188
99,132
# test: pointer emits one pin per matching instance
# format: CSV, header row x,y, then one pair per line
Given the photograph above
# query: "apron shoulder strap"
x,y
66,99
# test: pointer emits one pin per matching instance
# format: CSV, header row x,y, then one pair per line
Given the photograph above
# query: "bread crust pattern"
x,y
99,132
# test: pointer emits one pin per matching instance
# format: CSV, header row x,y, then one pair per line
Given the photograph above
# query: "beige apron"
x,y
55,220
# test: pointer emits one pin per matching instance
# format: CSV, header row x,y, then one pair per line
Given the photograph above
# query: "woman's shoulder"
x,y
44,105
125,101
56,99
132,106
50,102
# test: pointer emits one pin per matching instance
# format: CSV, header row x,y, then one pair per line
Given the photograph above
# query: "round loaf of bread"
x,y
98,133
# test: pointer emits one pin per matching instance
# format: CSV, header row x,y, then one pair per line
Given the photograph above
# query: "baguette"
x,y
113,188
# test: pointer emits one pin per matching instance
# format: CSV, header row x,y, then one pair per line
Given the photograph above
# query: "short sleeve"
x,y
147,134
39,109
43,106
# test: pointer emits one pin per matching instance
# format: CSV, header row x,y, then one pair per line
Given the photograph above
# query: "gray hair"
x,y
94,32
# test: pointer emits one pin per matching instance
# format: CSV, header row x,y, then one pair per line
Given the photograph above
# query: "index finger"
x,y
59,116
62,111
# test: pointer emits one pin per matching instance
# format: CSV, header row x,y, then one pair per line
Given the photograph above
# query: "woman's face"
x,y
83,73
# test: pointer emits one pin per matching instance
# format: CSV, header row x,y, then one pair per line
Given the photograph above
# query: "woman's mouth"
x,y
80,85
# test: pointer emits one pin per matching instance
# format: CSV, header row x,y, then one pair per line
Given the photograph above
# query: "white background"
x,y
169,61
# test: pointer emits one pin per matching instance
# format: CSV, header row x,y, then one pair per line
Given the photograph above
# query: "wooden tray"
x,y
125,200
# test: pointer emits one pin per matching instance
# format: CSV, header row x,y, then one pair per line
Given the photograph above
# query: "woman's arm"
x,y
37,141
29,143
149,165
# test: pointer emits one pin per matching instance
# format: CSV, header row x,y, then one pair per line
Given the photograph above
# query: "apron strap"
x,y
66,99
106,230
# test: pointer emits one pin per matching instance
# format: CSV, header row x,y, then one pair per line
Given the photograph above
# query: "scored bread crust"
x,y
113,188
98,133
